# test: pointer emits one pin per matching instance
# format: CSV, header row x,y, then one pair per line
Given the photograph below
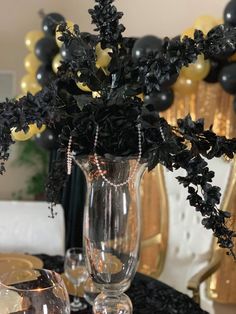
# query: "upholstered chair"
x,y
26,228
176,248
182,253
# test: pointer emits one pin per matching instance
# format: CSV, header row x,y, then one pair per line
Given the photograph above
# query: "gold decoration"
x,y
31,39
21,135
198,70
35,130
31,63
233,58
205,23
19,96
210,102
83,87
29,84
56,62
70,25
103,57
155,222
185,86
96,95
188,32
222,286
141,96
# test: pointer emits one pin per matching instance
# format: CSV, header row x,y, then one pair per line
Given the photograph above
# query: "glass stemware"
x,y
35,291
112,228
90,291
76,273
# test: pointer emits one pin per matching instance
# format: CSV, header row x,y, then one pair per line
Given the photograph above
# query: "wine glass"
x,y
36,291
90,291
76,273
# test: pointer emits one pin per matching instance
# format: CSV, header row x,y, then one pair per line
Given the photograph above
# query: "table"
x,y
149,296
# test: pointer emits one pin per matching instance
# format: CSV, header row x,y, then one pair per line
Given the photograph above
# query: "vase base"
x,y
106,304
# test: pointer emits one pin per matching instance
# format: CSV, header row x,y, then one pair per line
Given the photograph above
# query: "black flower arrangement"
x,y
115,107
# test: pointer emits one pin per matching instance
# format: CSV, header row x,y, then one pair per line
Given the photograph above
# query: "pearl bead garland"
x,y
130,177
69,157
162,134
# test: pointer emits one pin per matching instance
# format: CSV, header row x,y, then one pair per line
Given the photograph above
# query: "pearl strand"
x,y
69,157
130,177
162,134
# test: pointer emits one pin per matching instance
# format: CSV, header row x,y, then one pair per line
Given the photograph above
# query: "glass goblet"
x,y
35,291
90,291
76,273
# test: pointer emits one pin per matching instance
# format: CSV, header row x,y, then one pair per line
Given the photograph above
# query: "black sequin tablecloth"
x,y
149,296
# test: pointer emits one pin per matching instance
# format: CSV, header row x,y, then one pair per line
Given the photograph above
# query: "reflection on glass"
x,y
76,272
90,291
112,229
33,292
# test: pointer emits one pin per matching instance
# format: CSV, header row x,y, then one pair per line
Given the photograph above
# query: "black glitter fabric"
x,y
149,296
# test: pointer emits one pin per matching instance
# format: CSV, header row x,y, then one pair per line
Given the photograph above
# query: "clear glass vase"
x,y
112,229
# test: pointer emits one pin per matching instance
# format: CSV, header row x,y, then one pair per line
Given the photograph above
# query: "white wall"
x,y
17,17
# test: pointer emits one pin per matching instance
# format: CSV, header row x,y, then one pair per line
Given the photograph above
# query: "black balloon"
x,y
46,49
227,78
215,69
176,38
65,52
72,51
50,23
47,140
45,74
172,79
129,43
145,45
230,13
160,101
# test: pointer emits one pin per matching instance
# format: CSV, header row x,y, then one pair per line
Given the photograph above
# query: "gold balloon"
x,y
233,57
96,95
83,87
29,84
31,63
56,62
205,23
21,135
141,96
198,70
185,86
188,32
58,34
19,96
219,21
31,39
35,130
103,57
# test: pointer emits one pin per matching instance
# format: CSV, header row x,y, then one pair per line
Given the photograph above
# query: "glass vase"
x,y
111,231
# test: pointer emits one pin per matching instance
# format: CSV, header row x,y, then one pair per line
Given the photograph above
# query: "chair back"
x,y
189,243
25,227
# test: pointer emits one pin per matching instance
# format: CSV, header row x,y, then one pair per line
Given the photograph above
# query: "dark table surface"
x,y
149,296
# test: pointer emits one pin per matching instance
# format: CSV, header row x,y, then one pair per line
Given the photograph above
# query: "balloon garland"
x,y
218,70
46,51
41,64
